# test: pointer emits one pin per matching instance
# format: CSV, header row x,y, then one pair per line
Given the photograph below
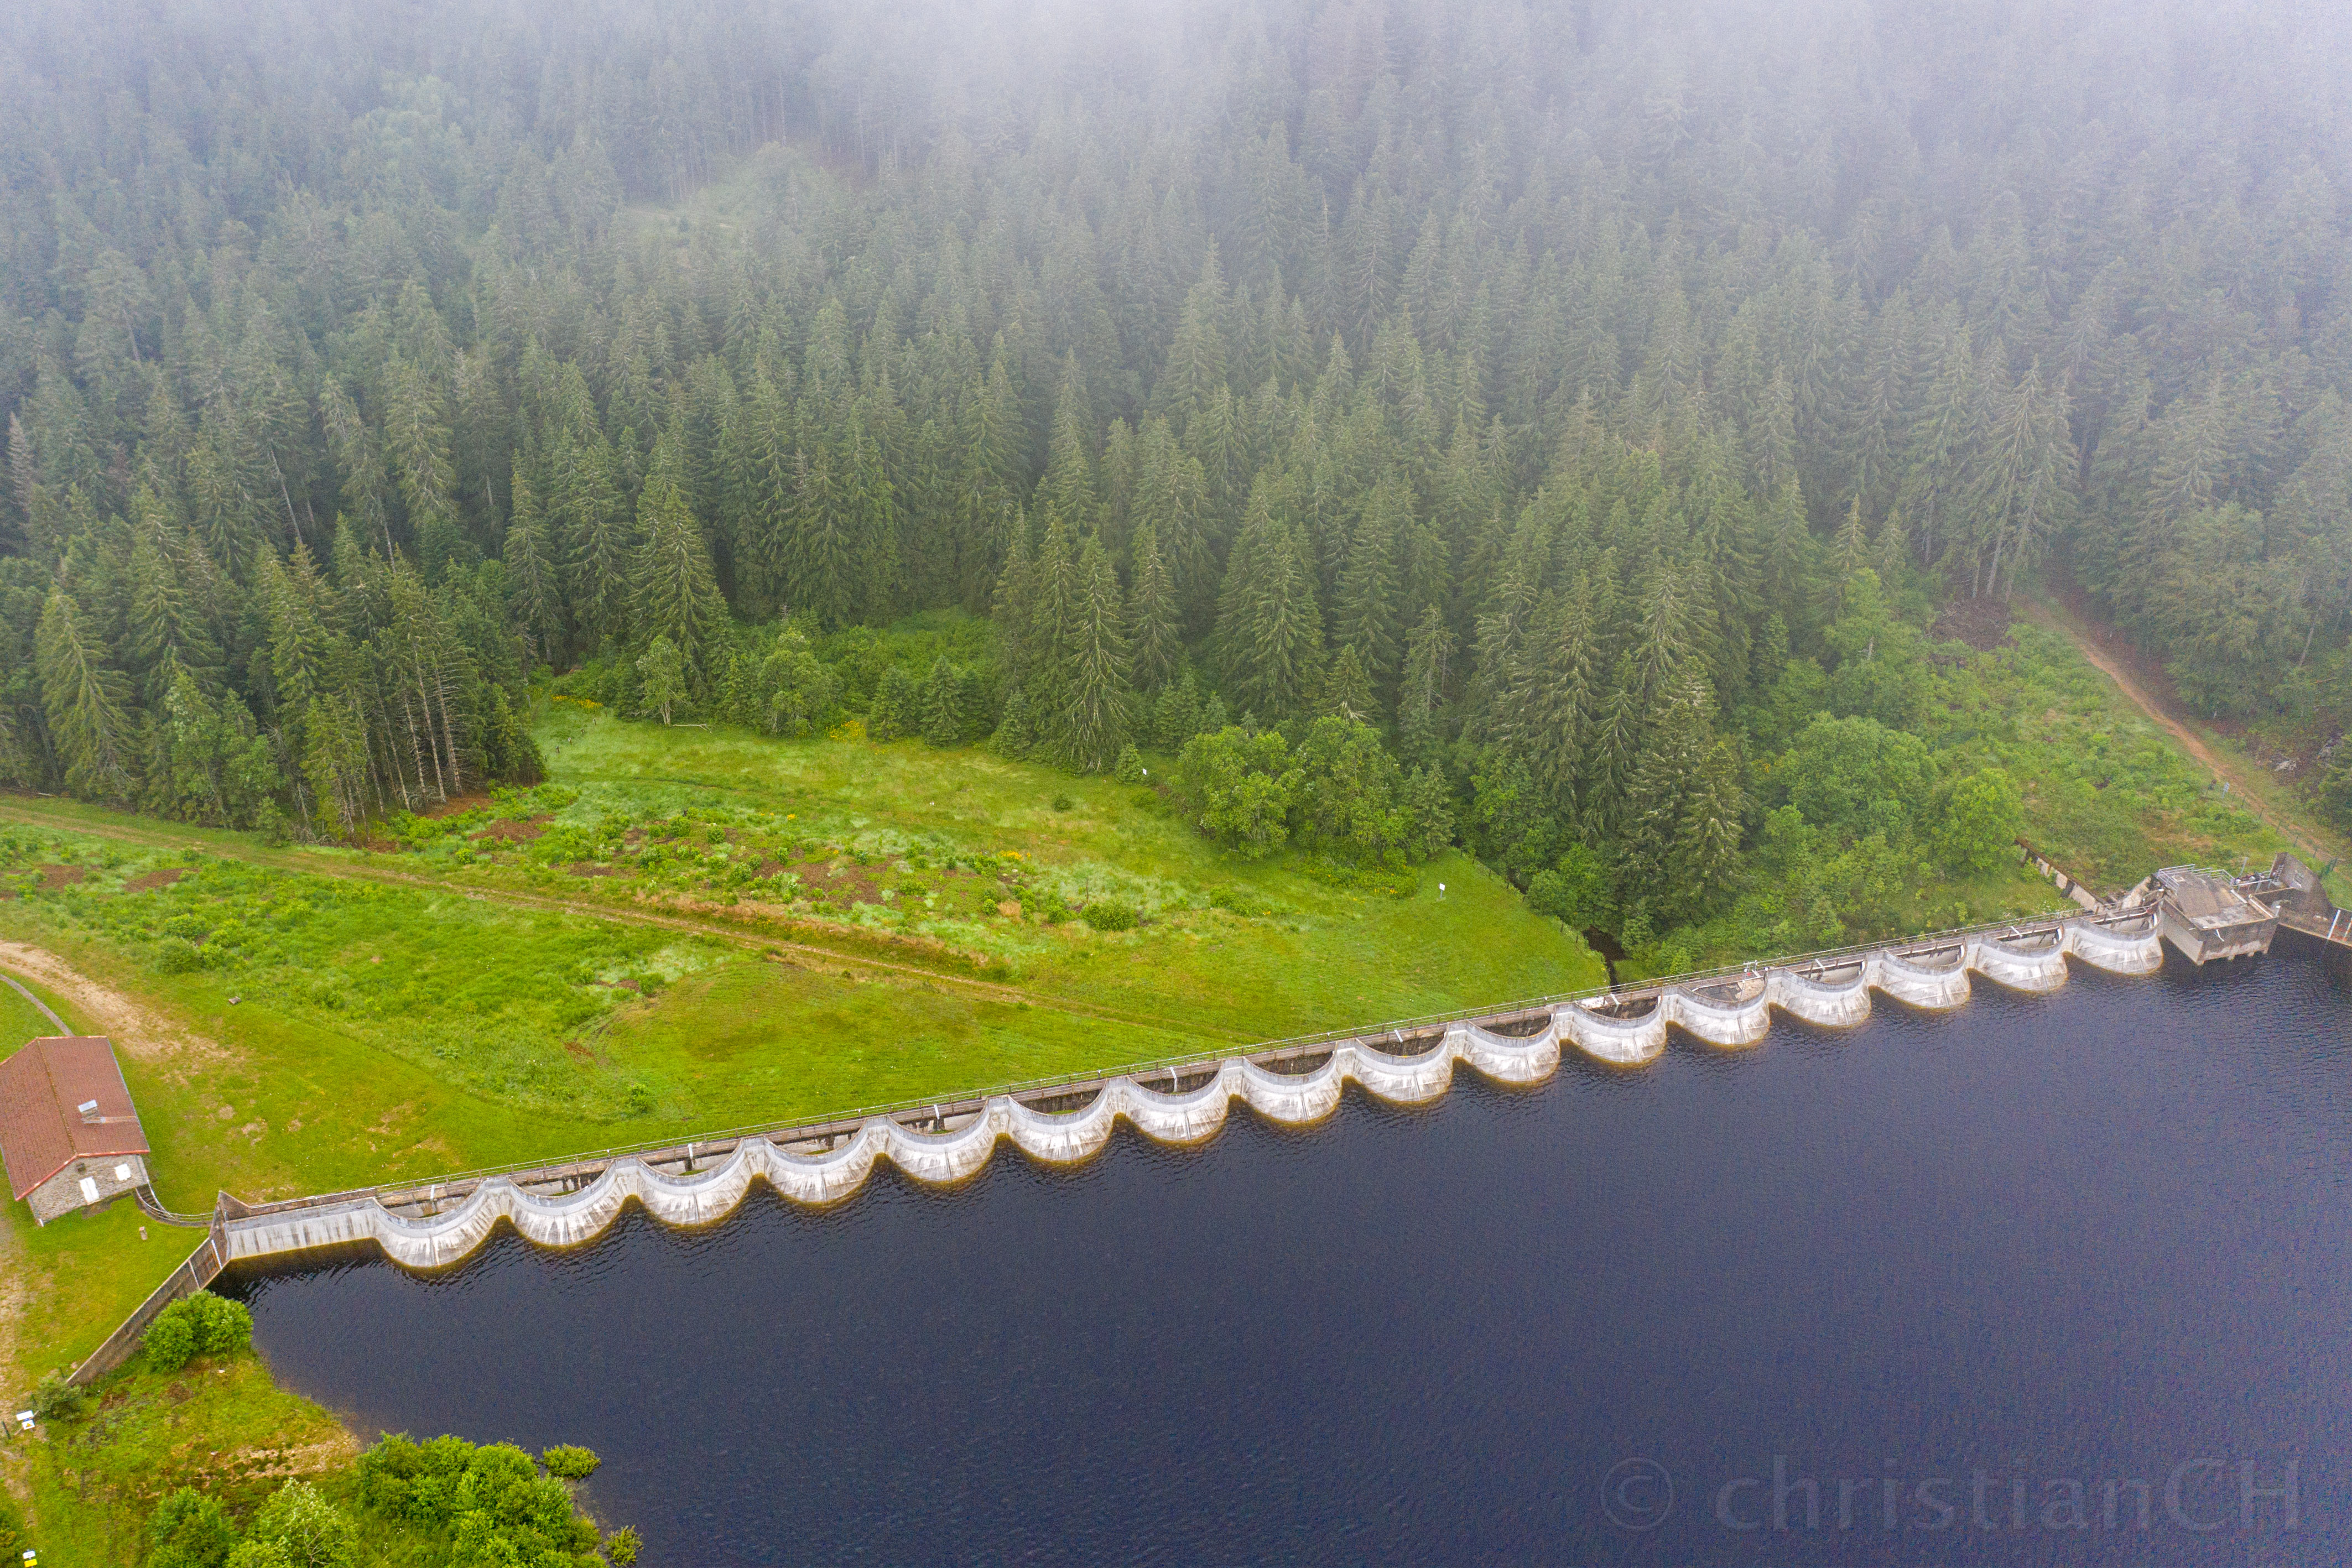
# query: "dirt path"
x,y
136,1029
805,955
2228,769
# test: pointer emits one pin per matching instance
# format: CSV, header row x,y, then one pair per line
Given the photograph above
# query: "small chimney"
x,y
88,1109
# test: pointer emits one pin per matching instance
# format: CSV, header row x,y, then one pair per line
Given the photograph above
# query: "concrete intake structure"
x,y
435,1225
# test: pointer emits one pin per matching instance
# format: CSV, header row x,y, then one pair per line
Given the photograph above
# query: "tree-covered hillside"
x,y
1560,427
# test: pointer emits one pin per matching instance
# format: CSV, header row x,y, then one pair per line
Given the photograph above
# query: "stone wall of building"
x,y
108,1177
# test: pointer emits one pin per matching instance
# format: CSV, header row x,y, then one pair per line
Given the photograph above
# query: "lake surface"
x,y
2046,1280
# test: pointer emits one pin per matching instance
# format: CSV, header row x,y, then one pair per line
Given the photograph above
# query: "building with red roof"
x,y
69,1132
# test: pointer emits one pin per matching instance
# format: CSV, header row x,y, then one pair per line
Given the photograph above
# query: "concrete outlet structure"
x,y
2210,914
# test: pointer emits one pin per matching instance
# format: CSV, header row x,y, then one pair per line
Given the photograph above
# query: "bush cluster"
x,y
201,1324
298,1527
1338,791
493,1500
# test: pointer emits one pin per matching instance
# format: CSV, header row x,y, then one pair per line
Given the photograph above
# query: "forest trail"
x,y
801,953
2240,776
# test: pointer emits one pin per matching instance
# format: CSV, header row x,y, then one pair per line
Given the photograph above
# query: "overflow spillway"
x,y
430,1226
433,1226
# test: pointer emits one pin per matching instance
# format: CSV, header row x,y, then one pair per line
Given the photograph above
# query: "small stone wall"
x,y
109,1175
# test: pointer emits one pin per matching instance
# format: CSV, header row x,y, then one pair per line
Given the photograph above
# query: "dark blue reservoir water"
x,y
2038,1281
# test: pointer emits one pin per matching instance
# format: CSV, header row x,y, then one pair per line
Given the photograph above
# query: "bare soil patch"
x,y
516,832
57,876
850,884
458,805
1981,623
590,868
136,1029
153,879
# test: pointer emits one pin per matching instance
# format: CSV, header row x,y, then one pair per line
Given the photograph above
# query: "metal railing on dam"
x,y
1179,1100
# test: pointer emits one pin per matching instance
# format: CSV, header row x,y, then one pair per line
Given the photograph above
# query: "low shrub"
x,y
299,1528
1064,803
190,1529
570,1462
201,1324
1241,902
502,1510
55,1399
1106,915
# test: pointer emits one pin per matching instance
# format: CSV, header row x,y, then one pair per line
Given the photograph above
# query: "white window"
x,y
122,1173
90,1189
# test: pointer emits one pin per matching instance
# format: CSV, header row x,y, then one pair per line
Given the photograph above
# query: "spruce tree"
x,y
1017,728
1347,690
675,589
1154,634
597,539
1178,715
1014,607
942,715
1429,654
1269,629
537,595
1363,619
84,702
821,553
1095,711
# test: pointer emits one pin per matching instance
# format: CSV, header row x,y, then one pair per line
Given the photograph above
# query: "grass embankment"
x,y
221,1425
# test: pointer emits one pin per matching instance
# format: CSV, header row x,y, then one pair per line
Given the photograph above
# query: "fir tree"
x,y
1096,702
84,701
1177,717
676,592
1154,636
941,706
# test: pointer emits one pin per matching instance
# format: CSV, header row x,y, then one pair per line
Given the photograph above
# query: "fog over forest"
x,y
1576,432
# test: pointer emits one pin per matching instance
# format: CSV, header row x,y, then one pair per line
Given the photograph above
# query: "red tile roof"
x,y
42,1129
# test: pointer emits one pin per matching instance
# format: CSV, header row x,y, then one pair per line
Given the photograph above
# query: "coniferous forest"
x,y
1561,429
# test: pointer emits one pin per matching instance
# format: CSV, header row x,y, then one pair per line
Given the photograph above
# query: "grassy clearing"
x,y
2109,795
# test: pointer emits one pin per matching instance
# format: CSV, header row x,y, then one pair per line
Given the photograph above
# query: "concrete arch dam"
x,y
430,1227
